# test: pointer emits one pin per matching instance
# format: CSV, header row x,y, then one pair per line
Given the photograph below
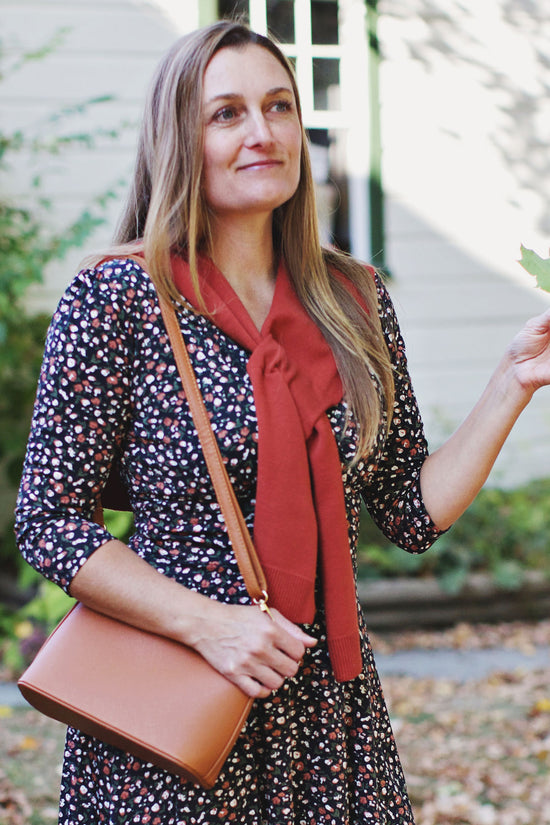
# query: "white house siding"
x,y
465,124
110,48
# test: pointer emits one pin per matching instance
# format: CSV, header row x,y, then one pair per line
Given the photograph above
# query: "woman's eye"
x,y
282,106
225,115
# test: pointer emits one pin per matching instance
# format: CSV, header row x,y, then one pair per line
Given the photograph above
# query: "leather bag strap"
x,y
243,547
239,535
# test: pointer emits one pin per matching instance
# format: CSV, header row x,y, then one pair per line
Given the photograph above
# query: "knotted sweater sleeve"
x,y
82,405
393,496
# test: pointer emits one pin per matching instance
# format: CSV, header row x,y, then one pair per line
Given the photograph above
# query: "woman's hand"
x,y
529,353
253,651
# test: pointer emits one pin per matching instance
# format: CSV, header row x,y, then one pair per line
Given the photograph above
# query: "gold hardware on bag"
x,y
263,605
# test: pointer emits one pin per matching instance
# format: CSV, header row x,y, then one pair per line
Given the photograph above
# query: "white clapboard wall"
x,y
106,48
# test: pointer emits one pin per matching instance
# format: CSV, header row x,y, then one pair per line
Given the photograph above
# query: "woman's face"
x,y
253,136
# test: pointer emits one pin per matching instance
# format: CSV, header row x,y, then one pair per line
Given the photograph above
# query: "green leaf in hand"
x,y
536,266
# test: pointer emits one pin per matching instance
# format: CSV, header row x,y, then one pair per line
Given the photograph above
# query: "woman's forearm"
x,y
453,474
117,582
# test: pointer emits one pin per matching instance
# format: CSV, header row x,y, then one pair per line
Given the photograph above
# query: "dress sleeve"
x,y
392,495
81,411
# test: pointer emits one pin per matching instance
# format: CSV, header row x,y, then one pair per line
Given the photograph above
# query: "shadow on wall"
x,y
505,48
508,49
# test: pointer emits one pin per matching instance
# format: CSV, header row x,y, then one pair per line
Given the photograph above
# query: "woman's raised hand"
x,y
255,652
529,353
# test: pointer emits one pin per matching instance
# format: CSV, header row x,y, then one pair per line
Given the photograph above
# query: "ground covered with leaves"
x,y
475,753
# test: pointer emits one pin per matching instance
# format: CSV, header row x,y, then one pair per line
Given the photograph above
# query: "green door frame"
x,y
376,192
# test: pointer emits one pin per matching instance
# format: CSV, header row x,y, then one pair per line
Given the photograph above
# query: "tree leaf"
x,y
536,266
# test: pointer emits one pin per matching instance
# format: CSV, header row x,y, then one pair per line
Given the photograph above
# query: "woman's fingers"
x,y
289,638
263,679
293,629
251,687
526,364
272,650
532,343
254,651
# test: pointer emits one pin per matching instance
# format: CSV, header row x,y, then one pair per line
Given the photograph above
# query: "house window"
x,y
280,20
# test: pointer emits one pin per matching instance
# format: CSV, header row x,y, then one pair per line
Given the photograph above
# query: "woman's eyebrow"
x,y
224,96
237,95
278,89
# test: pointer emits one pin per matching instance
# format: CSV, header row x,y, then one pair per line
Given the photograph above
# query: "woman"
x,y
302,367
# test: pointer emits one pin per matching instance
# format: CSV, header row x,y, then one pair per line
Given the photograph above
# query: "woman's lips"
x,y
260,164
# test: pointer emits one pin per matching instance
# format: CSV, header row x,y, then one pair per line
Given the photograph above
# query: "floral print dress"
x,y
316,751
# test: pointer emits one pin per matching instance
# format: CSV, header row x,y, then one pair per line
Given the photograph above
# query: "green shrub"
x,y
504,533
27,245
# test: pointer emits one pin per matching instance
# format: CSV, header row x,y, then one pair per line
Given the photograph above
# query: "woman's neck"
x,y
245,256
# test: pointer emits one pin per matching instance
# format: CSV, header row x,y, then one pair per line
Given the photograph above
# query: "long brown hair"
x,y
166,211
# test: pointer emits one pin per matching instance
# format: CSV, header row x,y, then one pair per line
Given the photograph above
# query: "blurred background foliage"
x,y
29,241
503,533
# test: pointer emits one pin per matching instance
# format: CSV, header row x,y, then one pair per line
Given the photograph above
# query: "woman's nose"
x,y
258,130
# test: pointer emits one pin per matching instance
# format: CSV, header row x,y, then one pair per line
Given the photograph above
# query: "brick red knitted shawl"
x,y
300,523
